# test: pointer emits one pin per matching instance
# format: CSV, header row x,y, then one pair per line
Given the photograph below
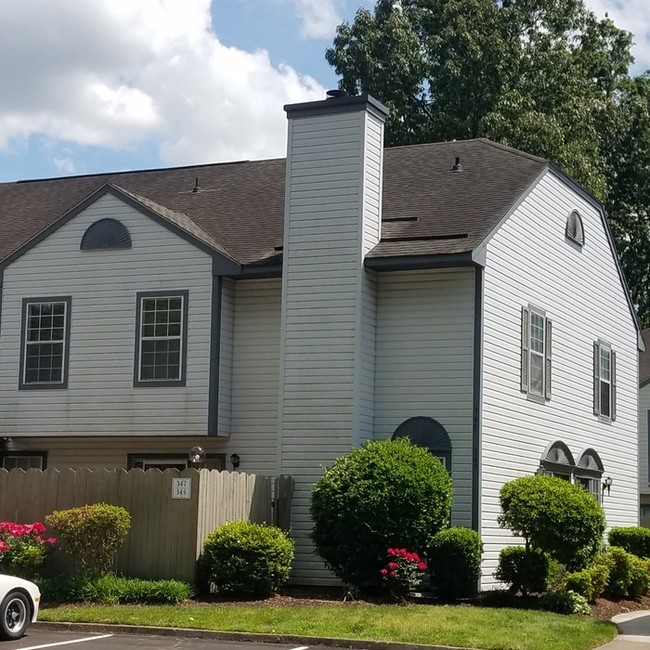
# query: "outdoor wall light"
x,y
234,459
607,485
197,455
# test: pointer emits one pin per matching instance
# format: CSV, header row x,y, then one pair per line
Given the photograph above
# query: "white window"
x,y
45,336
162,338
604,381
536,335
592,485
171,461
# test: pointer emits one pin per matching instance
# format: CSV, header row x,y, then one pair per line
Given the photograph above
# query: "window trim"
x,y
597,379
160,383
63,384
131,459
30,454
527,354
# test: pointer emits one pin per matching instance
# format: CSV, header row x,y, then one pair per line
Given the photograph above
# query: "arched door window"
x,y
428,433
589,472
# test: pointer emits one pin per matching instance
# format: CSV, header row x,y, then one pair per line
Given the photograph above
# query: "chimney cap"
x,y
339,104
336,92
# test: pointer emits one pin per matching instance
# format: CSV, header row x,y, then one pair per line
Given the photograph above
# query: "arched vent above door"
x,y
106,234
428,433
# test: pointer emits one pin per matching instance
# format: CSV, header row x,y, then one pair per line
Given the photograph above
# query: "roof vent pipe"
x,y
458,166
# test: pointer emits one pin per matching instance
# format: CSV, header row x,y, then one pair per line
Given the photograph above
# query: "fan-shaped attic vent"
x,y
574,230
105,234
591,460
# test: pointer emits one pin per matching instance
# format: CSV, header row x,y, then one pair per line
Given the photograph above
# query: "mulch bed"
x,y
319,596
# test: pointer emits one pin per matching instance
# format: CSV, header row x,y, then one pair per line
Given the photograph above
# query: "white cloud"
x,y
114,73
319,18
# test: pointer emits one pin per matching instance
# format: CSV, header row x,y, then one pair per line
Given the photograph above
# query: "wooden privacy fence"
x,y
172,512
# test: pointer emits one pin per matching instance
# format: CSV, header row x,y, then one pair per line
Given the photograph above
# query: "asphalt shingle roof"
x,y
427,208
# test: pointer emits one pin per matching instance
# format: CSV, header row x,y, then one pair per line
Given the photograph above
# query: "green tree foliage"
x,y
545,76
386,494
554,516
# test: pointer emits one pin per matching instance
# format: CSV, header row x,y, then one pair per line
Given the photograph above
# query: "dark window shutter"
x,y
596,378
525,341
548,359
613,387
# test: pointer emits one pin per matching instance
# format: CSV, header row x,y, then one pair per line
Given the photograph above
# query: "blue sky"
x,y
106,85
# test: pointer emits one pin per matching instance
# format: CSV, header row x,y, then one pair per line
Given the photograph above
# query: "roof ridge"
x,y
512,150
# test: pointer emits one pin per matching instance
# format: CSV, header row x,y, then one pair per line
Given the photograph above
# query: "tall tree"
x,y
545,76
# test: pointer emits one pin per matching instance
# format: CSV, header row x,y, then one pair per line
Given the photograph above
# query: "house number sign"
x,y
181,488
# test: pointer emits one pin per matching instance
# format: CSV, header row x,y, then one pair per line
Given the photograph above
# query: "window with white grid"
x,y
161,338
45,342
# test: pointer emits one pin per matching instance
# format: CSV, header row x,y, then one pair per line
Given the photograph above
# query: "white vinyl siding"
x,y
101,399
425,340
255,372
225,358
332,218
580,288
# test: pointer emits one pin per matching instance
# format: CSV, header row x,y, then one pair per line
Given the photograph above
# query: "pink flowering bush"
x,y
23,548
403,572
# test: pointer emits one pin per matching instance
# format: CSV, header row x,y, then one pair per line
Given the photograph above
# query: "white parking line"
x,y
301,647
52,645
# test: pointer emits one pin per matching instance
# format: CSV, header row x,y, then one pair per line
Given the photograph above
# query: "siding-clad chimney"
x,y
332,220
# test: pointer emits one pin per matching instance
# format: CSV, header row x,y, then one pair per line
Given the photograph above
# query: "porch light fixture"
x,y
197,455
607,485
234,460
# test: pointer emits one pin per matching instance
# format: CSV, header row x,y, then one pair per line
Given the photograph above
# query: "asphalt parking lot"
x,y
37,639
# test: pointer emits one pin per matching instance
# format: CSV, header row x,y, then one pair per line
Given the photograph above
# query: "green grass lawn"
x,y
473,627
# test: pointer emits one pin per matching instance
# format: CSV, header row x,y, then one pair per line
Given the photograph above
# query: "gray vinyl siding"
x,y
327,351
529,261
225,358
644,434
101,399
425,338
255,372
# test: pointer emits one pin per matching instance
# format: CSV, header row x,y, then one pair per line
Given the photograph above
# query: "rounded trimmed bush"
x,y
555,516
589,582
634,539
385,494
525,571
246,558
455,561
91,535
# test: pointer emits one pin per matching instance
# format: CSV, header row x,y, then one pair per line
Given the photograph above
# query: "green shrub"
x,y
640,583
385,494
247,558
113,590
525,571
91,535
634,539
455,561
555,516
621,574
564,602
589,582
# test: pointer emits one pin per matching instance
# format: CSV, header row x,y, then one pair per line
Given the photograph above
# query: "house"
x,y
463,294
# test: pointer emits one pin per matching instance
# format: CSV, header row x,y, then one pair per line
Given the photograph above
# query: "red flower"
x,y
4,547
393,565
422,566
384,572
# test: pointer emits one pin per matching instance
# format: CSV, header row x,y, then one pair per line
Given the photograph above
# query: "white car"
x,y
19,601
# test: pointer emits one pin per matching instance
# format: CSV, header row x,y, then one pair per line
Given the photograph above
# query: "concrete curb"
x,y
245,637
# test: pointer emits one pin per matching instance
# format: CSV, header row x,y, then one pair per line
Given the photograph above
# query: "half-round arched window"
x,y
105,234
589,472
557,460
574,229
428,433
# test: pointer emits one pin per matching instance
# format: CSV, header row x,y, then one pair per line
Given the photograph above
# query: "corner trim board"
x,y
477,397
